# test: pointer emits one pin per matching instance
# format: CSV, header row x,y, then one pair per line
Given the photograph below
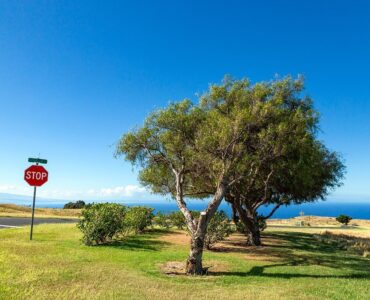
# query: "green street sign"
x,y
37,160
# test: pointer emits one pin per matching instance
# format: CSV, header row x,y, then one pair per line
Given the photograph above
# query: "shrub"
x,y
75,205
162,220
177,219
138,218
344,219
101,222
218,229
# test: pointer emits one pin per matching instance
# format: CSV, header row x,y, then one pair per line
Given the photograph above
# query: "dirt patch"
x,y
176,268
176,238
237,243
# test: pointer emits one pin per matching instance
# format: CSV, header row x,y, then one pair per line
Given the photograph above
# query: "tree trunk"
x,y
235,216
250,221
197,228
194,264
254,234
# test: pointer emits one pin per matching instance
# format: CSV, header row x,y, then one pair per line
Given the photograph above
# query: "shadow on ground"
x,y
148,241
285,249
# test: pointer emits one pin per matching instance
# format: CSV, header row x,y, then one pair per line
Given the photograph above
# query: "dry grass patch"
x,y
317,221
12,210
347,242
177,237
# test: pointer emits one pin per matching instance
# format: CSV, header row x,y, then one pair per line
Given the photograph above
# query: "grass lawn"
x,y
292,265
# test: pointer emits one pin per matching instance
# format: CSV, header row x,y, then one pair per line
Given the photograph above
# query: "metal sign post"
x,y
35,176
33,211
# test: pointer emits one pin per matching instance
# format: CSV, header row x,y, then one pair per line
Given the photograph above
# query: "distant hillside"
x,y
14,197
13,210
23,199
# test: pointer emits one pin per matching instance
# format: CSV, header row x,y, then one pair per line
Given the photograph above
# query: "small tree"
x,y
101,222
162,220
75,205
177,219
218,229
344,219
138,218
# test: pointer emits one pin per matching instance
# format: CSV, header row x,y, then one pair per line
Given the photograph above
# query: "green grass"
x,y
293,265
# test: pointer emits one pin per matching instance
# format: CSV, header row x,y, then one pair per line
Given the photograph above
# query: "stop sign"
x,y
36,175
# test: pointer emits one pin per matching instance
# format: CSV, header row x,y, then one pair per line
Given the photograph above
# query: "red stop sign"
x,y
36,175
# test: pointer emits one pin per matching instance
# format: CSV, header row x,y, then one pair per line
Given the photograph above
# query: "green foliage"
x,y
259,140
344,219
177,219
101,222
138,218
218,229
74,205
162,220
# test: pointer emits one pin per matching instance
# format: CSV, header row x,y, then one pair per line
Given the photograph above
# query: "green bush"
x,y
218,229
74,205
138,218
344,219
177,219
162,220
101,222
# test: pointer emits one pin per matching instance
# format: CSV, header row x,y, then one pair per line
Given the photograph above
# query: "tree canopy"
x,y
253,144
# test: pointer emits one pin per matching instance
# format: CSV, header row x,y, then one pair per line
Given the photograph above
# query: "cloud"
x,y
123,191
14,189
119,192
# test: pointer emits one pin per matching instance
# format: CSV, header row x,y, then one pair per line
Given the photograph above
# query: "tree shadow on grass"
x,y
260,272
288,249
145,242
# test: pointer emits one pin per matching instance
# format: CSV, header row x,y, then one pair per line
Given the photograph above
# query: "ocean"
x,y
357,210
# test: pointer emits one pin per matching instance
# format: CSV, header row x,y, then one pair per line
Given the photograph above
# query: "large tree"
x,y
292,166
188,151
242,141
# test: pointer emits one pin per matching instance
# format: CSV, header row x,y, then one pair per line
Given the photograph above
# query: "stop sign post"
x,y
35,176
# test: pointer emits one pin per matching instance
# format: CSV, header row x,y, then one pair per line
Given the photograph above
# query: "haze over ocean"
x,y
357,210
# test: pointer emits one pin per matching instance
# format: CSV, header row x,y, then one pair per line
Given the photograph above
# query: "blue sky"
x,y
76,75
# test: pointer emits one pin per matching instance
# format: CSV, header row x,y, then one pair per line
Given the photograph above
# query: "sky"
x,y
76,75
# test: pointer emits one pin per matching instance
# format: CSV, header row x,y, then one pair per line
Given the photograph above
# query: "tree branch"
x,y
272,211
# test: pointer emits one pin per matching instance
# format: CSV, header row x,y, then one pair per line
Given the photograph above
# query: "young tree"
x,y
343,219
218,229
